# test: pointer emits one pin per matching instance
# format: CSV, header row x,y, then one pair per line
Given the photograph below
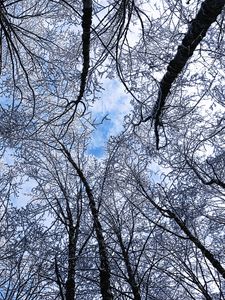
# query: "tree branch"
x,y
209,11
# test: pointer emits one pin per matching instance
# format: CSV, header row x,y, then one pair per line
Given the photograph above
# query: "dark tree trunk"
x,y
131,276
70,283
104,271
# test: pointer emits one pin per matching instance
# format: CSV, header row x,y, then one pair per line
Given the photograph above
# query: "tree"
x,y
147,220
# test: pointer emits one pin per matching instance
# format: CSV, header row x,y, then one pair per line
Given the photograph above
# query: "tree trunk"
x,y
70,283
104,271
131,276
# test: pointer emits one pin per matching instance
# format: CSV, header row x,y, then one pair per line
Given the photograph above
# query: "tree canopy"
x,y
145,219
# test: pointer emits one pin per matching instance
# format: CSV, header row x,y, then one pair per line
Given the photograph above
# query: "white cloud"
x,y
114,103
113,99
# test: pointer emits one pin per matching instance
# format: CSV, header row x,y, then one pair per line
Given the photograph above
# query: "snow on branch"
x,y
199,26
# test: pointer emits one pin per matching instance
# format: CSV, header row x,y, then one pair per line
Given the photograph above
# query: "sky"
x,y
112,97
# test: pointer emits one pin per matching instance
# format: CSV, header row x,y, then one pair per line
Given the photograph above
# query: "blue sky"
x,y
114,103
